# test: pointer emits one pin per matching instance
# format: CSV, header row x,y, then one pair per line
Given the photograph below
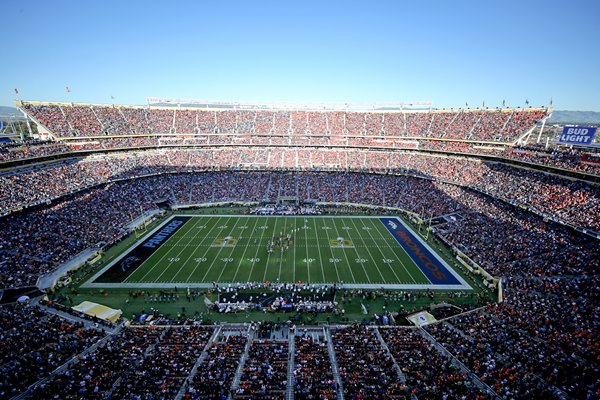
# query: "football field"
x,y
357,252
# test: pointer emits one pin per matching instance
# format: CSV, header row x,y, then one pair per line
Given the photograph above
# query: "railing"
x,y
334,365
65,366
199,361
289,393
456,362
235,384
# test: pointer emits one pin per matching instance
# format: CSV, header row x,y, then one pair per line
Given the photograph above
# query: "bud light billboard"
x,y
577,135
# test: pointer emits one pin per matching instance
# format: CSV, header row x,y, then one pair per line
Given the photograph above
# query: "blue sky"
x,y
446,52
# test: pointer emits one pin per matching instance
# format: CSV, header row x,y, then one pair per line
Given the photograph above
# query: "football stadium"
x,y
198,250
185,248
251,231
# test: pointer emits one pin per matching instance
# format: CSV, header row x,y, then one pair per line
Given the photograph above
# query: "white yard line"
x,y
362,264
197,247
344,252
268,254
306,247
319,248
281,258
219,252
245,248
256,254
294,258
386,240
184,247
383,280
209,247
163,257
383,255
333,257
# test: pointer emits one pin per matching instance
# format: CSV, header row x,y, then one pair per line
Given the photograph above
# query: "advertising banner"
x,y
577,135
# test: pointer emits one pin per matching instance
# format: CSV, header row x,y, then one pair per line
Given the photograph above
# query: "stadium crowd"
x,y
30,149
322,157
535,344
431,130
97,373
508,241
162,372
429,374
572,201
215,375
539,360
507,379
313,376
366,370
33,344
74,120
515,356
541,342
265,371
88,220
27,252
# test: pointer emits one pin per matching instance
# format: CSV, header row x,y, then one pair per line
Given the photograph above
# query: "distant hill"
x,y
574,117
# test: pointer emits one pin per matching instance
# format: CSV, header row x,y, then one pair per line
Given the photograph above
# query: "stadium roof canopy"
x,y
99,310
155,101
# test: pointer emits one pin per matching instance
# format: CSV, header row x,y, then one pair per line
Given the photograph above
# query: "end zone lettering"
x,y
578,134
164,233
132,259
435,270
427,263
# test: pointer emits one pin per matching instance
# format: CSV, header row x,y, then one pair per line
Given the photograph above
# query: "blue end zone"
x,y
428,263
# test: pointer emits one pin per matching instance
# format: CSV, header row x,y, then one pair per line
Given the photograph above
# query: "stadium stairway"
x,y
457,363
240,369
289,392
75,359
385,347
470,133
455,329
199,361
133,366
334,365
558,392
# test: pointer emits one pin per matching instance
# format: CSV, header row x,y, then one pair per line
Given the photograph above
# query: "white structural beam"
x,y
286,105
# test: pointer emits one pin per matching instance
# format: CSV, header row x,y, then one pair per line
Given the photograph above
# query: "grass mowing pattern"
x,y
198,252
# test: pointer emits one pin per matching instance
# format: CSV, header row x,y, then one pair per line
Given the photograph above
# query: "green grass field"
x,y
355,251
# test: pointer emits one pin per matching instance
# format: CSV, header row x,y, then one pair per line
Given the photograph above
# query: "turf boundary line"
x,y
91,283
128,262
425,258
